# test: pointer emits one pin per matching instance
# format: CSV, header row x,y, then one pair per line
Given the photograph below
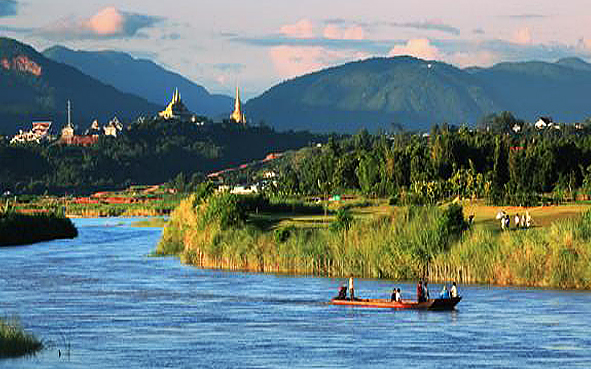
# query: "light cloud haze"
x,y
259,44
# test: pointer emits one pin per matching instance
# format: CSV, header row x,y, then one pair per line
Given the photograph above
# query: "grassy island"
x,y
381,241
14,341
22,229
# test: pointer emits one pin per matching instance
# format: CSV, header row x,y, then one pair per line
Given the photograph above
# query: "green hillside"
x,y
142,78
380,93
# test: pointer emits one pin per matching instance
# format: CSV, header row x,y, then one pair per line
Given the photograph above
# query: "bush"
x,y
342,221
23,229
14,341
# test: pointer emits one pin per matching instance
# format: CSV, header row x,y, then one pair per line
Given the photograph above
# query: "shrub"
x,y
342,220
14,341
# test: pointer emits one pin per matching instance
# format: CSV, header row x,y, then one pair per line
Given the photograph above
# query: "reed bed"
x,y
14,341
404,244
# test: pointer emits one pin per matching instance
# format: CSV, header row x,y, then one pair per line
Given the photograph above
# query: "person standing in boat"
x,y
342,292
351,288
420,291
454,290
425,291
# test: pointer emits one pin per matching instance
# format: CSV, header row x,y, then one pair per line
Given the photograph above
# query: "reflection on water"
x,y
101,302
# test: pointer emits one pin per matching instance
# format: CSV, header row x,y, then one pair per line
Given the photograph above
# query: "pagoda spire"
x,y
238,116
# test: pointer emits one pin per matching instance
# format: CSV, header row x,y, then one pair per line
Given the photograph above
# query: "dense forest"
x,y
148,152
492,161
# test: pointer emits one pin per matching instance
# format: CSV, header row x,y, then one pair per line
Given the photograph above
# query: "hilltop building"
x,y
238,116
69,136
176,109
38,133
113,128
68,130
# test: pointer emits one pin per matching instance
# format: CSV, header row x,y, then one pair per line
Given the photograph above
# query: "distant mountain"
x,y
575,63
380,93
530,89
35,87
142,78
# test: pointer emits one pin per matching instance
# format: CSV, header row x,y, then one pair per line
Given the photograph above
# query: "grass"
x,y
156,222
392,242
14,341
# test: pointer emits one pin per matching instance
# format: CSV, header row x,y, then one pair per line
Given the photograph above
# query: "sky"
x,y
257,44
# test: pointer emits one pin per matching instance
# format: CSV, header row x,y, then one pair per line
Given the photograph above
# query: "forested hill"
x,y
34,87
143,78
150,152
382,93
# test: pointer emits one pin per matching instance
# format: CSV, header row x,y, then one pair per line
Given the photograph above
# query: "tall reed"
x,y
14,341
408,243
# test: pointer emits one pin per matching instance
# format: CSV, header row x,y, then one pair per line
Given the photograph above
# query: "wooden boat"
x,y
431,304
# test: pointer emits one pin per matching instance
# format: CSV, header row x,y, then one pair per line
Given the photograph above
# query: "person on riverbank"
x,y
454,290
517,221
351,289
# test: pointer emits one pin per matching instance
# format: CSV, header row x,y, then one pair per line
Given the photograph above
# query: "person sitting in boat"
x,y
444,294
454,290
393,296
420,291
342,293
398,297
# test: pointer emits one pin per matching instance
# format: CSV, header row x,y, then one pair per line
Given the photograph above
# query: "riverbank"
x,y
400,243
14,341
136,201
23,229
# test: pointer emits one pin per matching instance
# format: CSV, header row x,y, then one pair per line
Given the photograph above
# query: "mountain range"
x,y
410,93
33,87
376,94
143,78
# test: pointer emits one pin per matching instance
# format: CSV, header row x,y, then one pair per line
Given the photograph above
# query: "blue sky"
x,y
260,43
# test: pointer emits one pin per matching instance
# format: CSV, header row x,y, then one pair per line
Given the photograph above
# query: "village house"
x,y
92,134
113,128
546,122
38,133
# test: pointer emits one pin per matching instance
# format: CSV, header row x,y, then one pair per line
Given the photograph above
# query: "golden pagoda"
x,y
237,116
176,109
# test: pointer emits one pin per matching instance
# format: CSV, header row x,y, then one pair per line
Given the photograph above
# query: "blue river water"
x,y
100,301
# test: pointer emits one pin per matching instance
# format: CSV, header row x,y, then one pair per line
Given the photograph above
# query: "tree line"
x,y
494,161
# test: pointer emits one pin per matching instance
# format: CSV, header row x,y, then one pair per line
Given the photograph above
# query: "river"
x,y
101,302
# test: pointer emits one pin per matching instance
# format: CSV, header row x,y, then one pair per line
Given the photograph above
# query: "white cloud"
x,y
108,22
420,48
523,36
336,32
304,28
292,61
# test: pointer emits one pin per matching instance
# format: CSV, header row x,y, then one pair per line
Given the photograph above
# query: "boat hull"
x,y
431,304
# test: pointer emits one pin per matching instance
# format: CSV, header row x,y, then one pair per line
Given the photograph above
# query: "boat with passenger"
x,y
430,304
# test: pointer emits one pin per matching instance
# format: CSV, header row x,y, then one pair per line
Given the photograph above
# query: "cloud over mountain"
x,y
429,25
108,22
